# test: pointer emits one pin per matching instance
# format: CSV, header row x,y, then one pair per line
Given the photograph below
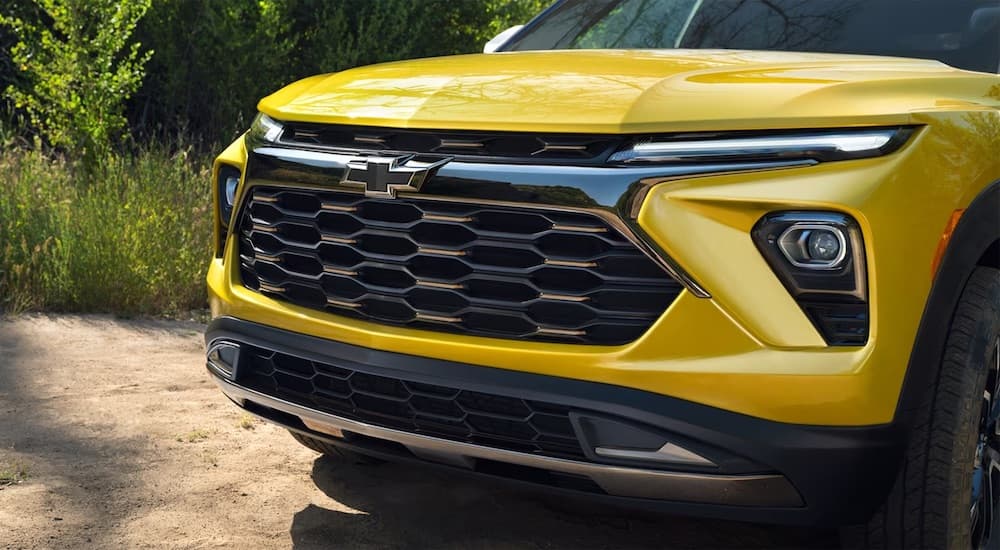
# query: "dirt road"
x,y
122,440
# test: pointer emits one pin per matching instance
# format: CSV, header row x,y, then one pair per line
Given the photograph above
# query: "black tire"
x,y
931,504
334,451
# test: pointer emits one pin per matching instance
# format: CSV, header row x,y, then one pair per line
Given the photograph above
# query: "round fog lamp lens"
x,y
823,245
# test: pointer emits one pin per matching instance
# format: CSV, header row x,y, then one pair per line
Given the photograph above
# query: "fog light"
x,y
824,245
820,258
813,246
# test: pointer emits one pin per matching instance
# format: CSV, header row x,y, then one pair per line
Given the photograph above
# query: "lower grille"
x,y
438,411
499,271
842,323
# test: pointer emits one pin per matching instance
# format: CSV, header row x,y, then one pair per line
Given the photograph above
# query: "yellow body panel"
x,y
749,348
629,91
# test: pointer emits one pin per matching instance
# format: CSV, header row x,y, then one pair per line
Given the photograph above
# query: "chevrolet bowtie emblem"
x,y
383,177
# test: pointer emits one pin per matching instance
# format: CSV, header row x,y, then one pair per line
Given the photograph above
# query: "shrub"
x,y
132,237
234,52
80,68
104,224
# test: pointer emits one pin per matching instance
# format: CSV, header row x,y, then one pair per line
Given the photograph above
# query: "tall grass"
x,y
129,237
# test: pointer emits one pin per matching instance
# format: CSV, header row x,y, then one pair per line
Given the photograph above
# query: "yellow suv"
x,y
729,258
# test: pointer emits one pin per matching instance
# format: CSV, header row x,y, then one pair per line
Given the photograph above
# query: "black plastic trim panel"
x,y
842,473
513,147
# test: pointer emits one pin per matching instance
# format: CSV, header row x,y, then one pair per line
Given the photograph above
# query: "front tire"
x,y
947,494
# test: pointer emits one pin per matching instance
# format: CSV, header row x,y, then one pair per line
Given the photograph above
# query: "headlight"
x,y
227,180
818,146
265,128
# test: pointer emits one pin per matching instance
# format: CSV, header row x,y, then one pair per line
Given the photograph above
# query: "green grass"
x,y
131,237
13,472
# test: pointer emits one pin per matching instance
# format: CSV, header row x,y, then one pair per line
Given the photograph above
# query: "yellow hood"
x,y
631,91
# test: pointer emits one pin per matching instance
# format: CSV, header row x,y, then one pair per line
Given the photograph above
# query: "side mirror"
x,y
501,39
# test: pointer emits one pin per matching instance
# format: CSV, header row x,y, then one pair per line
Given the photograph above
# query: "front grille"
x,y
508,146
439,411
494,271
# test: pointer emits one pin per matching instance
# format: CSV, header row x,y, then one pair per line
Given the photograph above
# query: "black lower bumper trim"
x,y
841,474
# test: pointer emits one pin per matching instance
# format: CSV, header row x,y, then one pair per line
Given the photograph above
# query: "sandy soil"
x,y
128,443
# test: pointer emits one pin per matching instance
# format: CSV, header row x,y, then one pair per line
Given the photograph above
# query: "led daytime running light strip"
x,y
830,146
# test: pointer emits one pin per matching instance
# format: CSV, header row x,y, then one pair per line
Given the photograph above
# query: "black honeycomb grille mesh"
x,y
438,411
495,271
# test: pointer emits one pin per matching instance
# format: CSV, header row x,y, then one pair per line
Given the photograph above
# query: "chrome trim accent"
x,y
560,331
272,288
263,198
307,157
266,258
461,144
550,147
216,363
432,284
335,271
579,228
438,318
300,133
668,453
565,263
785,242
338,240
442,251
563,298
373,140
264,228
336,207
765,490
438,218
342,303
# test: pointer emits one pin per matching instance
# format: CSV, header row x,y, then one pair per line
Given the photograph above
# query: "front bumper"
x,y
749,348
765,470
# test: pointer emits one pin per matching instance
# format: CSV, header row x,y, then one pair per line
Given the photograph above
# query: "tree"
x,y
78,68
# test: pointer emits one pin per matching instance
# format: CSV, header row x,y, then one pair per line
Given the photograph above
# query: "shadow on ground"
x,y
54,442
402,506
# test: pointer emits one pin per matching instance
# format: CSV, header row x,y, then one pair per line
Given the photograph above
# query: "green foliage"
x,y
205,86
87,224
80,68
76,70
134,238
235,52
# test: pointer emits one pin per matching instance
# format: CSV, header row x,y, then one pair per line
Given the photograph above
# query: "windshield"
x,y
961,33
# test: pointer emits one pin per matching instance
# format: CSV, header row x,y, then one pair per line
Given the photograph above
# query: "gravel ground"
x,y
124,441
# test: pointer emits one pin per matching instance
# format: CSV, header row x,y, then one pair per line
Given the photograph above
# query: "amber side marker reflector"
x,y
949,229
